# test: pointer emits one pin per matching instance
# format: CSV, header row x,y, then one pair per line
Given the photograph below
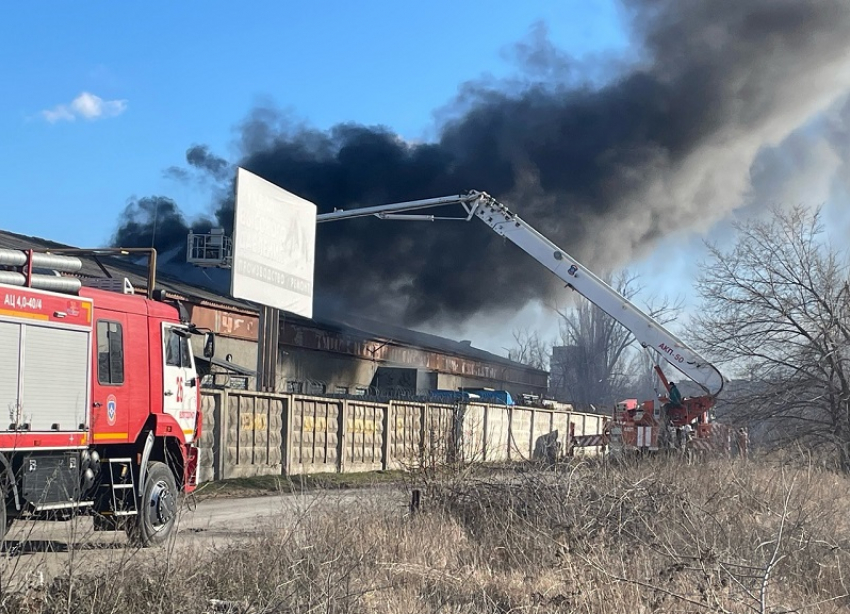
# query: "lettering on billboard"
x,y
269,275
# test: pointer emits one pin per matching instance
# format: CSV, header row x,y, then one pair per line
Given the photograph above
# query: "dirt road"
x,y
35,551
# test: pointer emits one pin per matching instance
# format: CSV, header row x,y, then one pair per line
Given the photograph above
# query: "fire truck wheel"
x,y
158,507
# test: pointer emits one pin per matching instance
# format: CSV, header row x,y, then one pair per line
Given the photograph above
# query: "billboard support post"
x,y
267,352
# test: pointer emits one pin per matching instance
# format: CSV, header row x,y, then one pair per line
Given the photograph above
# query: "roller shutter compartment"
x,y
10,338
55,378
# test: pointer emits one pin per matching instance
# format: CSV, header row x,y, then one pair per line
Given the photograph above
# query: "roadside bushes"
x,y
721,536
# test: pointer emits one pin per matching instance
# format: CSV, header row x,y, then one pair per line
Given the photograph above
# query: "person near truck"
x,y
675,396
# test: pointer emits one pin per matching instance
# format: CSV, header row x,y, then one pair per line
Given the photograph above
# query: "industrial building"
x,y
332,353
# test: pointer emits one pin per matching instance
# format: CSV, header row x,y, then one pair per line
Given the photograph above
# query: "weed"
x,y
653,536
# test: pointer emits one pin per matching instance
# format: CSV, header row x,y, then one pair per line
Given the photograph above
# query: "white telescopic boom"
x,y
509,225
646,330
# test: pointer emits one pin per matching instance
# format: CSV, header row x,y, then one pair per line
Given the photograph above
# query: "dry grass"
x,y
649,537
275,484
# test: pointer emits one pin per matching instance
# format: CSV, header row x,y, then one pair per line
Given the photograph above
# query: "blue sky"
x,y
102,97
151,79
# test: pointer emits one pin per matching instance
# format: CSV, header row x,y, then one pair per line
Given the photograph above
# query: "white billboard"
x,y
274,243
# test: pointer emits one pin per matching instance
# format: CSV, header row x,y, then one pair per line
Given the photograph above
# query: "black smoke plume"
x,y
206,164
155,221
663,145
200,157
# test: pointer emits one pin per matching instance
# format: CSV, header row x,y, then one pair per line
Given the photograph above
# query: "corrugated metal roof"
x,y
323,316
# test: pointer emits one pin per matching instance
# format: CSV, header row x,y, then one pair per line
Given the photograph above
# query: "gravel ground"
x,y
36,551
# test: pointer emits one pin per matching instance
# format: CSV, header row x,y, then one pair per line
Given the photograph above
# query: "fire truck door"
x,y
111,389
179,384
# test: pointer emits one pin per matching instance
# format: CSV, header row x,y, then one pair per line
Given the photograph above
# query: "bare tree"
x,y
593,364
644,382
529,349
777,314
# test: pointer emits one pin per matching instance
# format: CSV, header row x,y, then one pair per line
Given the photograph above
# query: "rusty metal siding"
x,y
313,338
315,434
226,323
364,436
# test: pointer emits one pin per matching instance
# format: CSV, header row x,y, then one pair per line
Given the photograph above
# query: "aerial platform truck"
x,y
650,425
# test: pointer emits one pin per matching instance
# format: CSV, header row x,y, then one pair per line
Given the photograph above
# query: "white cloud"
x,y
87,106
58,113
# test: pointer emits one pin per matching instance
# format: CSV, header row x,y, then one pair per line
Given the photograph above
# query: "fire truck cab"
x,y
99,400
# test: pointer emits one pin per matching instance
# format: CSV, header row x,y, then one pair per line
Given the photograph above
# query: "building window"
x,y
317,388
294,387
340,389
360,391
110,353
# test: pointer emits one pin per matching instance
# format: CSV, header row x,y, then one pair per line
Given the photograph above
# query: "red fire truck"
x,y
99,398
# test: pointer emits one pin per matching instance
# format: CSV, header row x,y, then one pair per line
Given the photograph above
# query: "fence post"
x,y
385,442
484,418
457,433
510,433
425,445
286,435
343,435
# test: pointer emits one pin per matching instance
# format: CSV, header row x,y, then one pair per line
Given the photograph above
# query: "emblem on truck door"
x,y
111,406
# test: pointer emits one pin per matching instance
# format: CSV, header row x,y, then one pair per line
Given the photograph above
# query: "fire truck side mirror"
x,y
209,345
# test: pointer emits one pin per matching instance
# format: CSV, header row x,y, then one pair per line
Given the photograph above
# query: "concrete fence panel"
x,y
249,433
364,436
405,436
561,427
440,437
316,434
253,434
472,424
520,435
497,433
209,463
578,421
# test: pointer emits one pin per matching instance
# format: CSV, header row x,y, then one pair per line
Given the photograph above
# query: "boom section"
x,y
503,222
645,329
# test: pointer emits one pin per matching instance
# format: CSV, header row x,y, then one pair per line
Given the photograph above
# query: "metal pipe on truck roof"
x,y
119,251
17,257
52,283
